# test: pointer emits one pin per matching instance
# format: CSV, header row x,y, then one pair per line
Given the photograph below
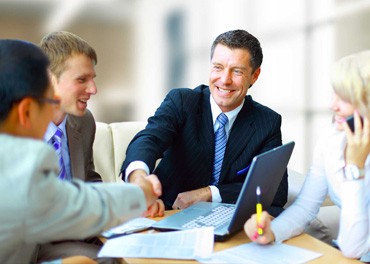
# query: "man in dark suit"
x,y
184,129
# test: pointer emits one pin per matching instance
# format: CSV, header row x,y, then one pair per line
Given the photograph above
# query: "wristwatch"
x,y
352,172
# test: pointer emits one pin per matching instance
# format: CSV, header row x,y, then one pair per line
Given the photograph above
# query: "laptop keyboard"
x,y
218,216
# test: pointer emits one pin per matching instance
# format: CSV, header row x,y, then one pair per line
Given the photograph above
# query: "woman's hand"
x,y
358,142
251,229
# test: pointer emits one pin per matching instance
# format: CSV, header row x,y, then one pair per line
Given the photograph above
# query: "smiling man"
x,y
206,137
35,206
72,130
72,62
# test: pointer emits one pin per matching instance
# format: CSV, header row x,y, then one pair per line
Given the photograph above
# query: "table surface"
x,y
330,254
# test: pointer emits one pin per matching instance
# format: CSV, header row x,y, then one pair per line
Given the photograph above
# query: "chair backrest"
x,y
122,134
103,152
111,141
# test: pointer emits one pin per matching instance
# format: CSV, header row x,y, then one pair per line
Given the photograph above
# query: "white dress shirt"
x,y
326,176
215,109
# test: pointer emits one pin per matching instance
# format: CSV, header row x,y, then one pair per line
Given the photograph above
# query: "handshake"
x,y
152,189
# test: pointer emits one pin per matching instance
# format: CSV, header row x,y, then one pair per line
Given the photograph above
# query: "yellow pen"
x,y
259,210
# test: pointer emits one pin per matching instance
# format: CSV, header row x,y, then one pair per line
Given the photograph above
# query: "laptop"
x,y
266,171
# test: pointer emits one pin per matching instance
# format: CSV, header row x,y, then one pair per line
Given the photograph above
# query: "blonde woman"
x,y
340,168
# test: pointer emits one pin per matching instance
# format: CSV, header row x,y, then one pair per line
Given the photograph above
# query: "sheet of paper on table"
x,y
129,227
188,244
255,253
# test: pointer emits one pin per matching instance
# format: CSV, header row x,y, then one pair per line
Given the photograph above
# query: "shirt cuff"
x,y
136,165
274,228
216,197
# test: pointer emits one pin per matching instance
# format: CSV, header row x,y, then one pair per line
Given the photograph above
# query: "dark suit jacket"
x,y
181,133
81,135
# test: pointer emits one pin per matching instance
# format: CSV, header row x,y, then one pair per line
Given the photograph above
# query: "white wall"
x,y
147,47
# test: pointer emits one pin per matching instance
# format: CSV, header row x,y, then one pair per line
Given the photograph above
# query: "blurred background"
x,y
147,47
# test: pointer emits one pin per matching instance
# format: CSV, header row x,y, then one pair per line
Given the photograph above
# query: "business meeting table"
x,y
329,254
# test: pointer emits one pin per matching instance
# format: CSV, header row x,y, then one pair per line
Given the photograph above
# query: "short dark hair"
x,y
241,39
23,73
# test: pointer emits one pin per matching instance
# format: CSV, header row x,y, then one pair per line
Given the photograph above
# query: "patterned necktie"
x,y
220,145
56,141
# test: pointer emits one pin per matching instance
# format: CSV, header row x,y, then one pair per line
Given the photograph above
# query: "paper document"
x,y
132,226
255,253
188,244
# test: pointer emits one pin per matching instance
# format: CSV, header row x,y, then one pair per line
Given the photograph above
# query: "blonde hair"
x,y
351,80
60,46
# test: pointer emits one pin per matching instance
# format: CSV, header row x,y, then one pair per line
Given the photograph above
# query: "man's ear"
x,y
54,83
24,112
53,79
256,74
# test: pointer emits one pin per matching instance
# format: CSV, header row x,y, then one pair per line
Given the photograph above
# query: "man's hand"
x,y
156,209
151,187
251,229
186,199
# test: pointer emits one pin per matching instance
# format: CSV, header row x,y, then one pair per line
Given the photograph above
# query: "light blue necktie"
x,y
220,145
56,141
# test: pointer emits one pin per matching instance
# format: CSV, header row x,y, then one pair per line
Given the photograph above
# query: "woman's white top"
x,y
326,176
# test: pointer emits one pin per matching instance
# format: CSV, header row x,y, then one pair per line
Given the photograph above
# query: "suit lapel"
x,y
205,125
240,135
75,149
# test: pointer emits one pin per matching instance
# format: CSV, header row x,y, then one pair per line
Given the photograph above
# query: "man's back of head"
x,y
23,73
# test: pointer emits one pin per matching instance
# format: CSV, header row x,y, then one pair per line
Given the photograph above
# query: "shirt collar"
x,y
52,128
231,115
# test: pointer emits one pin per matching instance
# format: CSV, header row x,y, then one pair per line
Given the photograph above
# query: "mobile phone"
x,y
351,122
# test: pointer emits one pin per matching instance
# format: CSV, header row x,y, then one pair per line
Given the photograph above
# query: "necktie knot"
x,y
222,119
56,140
57,144
58,134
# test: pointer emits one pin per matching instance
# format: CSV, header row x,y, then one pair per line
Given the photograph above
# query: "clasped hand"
x,y
152,189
